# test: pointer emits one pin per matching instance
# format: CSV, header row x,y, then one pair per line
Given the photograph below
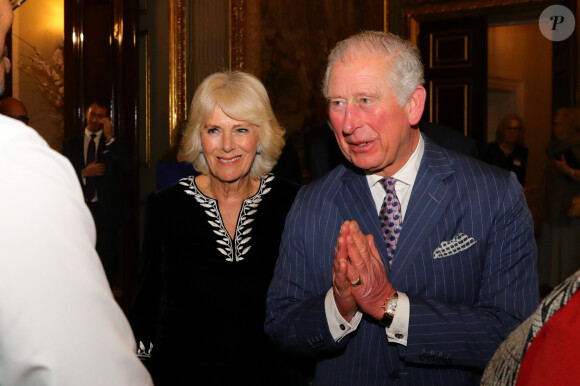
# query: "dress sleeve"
x,y
146,309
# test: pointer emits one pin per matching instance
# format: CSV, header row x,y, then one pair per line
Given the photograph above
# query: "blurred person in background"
x,y
560,233
14,108
508,151
101,161
59,322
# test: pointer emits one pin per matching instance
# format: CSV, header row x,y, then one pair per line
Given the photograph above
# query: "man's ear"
x,y
416,104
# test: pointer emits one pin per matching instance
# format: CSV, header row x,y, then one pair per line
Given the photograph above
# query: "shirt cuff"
x,y
399,329
338,326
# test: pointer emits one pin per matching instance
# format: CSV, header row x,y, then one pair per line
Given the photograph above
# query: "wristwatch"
x,y
390,307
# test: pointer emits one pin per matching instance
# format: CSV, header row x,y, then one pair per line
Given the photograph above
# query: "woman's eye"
x,y
242,130
212,130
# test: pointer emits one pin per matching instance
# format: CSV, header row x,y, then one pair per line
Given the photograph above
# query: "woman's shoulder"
x,y
174,192
492,145
281,184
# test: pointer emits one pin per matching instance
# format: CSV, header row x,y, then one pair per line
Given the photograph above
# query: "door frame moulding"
x,y
414,14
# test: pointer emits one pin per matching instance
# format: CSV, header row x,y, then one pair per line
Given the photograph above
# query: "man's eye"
x,y
337,105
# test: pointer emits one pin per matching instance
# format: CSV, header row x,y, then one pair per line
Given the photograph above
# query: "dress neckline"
x,y
234,249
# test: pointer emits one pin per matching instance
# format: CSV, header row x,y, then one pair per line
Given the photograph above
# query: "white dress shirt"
x,y
398,331
88,134
59,322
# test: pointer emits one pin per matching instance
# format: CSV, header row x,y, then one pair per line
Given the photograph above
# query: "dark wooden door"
x,y
101,62
565,66
454,53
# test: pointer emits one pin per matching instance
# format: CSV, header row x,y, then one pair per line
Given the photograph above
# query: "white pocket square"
x,y
460,242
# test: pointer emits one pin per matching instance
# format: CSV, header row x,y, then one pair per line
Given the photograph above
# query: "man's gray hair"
x,y
404,68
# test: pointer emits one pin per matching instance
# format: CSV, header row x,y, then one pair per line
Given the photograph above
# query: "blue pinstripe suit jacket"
x,y
462,305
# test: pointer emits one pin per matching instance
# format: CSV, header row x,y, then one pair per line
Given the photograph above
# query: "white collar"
x,y
408,173
98,134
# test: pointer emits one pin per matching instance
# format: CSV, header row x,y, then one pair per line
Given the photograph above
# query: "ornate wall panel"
x,y
177,62
101,62
208,41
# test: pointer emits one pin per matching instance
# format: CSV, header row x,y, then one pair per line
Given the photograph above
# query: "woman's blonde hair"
x,y
242,97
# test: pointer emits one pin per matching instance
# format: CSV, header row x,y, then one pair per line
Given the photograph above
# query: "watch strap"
x,y
387,318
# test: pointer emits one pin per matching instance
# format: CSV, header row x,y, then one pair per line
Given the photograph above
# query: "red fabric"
x,y
553,355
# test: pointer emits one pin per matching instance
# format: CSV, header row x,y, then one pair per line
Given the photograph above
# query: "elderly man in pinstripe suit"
x,y
432,305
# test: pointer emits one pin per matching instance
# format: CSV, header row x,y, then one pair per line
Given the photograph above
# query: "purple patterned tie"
x,y
390,216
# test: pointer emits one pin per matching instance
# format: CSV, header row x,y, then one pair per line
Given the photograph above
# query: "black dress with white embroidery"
x,y
199,312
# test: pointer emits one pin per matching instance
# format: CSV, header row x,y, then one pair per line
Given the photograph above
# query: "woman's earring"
x,y
201,150
259,149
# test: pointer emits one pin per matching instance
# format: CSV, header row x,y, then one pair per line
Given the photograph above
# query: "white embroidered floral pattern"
x,y
142,352
235,249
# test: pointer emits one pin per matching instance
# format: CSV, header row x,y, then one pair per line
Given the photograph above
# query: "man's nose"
x,y
351,120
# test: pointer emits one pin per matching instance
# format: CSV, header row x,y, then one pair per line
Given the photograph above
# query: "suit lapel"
x,y
78,150
429,199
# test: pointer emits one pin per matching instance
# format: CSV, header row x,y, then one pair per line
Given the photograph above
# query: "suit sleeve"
x,y
117,156
68,151
441,333
296,317
146,309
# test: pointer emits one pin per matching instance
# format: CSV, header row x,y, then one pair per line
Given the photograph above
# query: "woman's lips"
x,y
229,160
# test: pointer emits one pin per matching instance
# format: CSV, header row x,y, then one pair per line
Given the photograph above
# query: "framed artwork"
x,y
284,43
296,38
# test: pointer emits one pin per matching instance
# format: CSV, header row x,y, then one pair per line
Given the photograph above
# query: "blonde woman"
x,y
211,243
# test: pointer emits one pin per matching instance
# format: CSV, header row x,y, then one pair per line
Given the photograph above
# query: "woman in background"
x,y
211,243
508,151
560,239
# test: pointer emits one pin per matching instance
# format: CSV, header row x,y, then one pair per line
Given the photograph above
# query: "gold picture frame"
x,y
177,62
245,45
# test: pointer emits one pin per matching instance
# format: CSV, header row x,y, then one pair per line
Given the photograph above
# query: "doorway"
x,y
520,81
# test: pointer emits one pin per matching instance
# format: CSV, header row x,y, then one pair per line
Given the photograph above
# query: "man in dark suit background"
x,y
431,304
100,176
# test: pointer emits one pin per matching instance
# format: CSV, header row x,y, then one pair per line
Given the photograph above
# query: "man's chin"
x,y
365,165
